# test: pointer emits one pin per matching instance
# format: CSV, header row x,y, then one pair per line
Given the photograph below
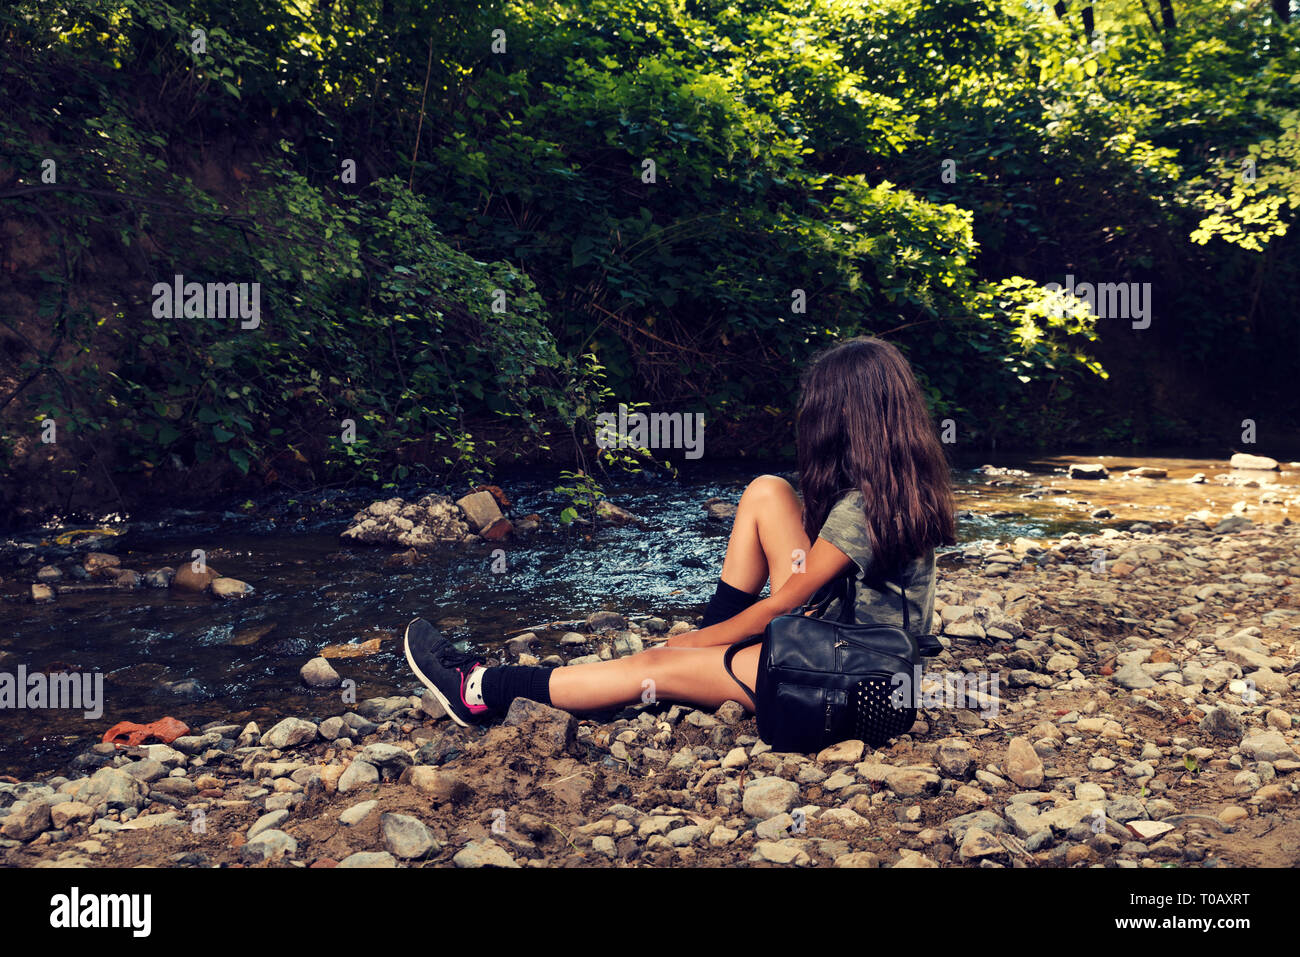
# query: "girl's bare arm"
x,y
823,563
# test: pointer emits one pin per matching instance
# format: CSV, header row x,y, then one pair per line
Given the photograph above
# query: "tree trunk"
x,y
1167,15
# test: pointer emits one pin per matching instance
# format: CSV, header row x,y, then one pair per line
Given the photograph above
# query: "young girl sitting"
x,y
874,499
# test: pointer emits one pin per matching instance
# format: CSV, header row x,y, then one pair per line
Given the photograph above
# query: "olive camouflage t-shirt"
x,y
846,529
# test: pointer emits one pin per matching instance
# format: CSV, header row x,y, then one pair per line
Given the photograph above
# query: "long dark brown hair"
x,y
863,424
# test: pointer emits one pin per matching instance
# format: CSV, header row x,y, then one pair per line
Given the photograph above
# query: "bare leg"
x,y
695,675
767,537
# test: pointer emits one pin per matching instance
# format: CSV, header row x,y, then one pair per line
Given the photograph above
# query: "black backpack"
x,y
821,681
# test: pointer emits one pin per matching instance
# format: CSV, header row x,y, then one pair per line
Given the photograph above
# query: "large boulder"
x,y
481,509
111,789
26,820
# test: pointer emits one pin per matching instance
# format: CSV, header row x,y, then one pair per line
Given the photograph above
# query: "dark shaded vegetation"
x,y
502,266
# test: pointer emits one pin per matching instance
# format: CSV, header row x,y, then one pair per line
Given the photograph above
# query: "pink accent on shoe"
x,y
473,708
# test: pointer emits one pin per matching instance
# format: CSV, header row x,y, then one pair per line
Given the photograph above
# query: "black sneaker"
x,y
442,669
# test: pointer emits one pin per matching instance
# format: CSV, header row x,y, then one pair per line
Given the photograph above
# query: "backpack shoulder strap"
x,y
731,653
880,583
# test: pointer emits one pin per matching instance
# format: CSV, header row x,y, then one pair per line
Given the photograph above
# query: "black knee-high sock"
x,y
727,602
503,685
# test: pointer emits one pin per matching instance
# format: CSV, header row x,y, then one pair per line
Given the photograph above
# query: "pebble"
x,y
1149,830
483,853
357,813
267,821
1022,764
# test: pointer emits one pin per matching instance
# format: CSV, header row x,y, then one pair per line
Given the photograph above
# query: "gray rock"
x,y
159,578
1132,676
432,707
1125,808
195,743
1233,523
682,836
483,853
361,726
984,820
521,644
605,621
627,643
1039,840
433,520
388,758
369,859
1024,819
1261,463
319,673
955,758
180,787
357,813
269,845
289,733
266,822
383,709
767,797
1268,746
358,774
730,712
1088,471
146,770
547,730
26,820
406,837
109,789
1222,723
331,728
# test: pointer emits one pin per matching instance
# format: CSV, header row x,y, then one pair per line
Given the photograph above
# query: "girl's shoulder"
x,y
849,507
846,528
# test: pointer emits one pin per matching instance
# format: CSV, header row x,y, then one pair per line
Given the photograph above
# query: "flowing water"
x,y
165,653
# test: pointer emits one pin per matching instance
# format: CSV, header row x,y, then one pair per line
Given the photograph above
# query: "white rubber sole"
x,y
424,680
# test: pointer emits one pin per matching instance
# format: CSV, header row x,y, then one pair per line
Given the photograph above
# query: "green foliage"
x,y
797,145
584,494
1256,198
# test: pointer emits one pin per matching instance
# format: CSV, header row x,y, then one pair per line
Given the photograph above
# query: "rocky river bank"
x,y
1140,708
